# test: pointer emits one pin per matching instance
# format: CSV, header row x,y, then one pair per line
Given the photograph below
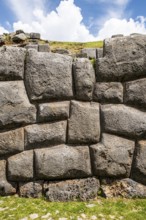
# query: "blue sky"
x,y
74,20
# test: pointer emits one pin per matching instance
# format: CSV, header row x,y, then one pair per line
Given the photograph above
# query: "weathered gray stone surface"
x,y
40,135
35,35
12,63
99,52
31,189
135,92
20,166
84,76
84,123
121,119
124,59
62,162
48,76
53,111
12,141
18,38
6,188
139,165
91,52
111,92
44,48
126,188
83,189
112,157
32,46
15,108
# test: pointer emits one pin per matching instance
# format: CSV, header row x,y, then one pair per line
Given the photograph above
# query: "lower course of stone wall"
x,y
68,131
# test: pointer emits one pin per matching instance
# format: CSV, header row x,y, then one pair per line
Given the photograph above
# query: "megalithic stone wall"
x,y
67,131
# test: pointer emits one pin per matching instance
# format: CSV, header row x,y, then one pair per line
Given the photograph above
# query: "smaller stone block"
x,y
71,190
84,123
111,92
12,141
12,63
20,166
91,52
139,165
135,93
62,162
31,189
44,48
40,135
99,52
32,46
123,120
35,36
126,188
84,76
106,159
6,188
53,111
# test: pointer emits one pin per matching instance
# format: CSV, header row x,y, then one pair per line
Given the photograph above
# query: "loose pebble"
x,y
34,216
46,216
90,205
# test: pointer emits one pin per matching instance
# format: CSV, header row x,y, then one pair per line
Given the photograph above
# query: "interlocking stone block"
x,y
20,166
6,188
48,76
123,120
139,165
40,135
84,76
12,141
62,162
112,157
83,189
123,59
15,108
84,123
126,188
135,93
53,111
111,92
31,189
12,63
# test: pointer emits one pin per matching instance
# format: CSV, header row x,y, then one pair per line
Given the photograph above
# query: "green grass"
x,y
103,209
75,47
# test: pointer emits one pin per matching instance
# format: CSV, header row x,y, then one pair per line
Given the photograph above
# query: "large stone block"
x,y
12,63
84,123
124,59
78,189
139,164
90,52
12,141
84,76
112,157
20,166
62,162
124,120
126,188
135,93
31,189
53,111
15,108
6,188
111,92
48,76
39,135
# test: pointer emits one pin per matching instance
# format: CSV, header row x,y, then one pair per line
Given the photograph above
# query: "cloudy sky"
x,y
74,20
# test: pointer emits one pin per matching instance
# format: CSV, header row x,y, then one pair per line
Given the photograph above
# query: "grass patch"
x,y
15,208
75,47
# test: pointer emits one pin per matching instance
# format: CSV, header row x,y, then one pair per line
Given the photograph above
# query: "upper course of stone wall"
x,y
68,131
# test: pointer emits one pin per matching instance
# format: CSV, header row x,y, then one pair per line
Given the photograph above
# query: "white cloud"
x,y
122,26
63,24
3,30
